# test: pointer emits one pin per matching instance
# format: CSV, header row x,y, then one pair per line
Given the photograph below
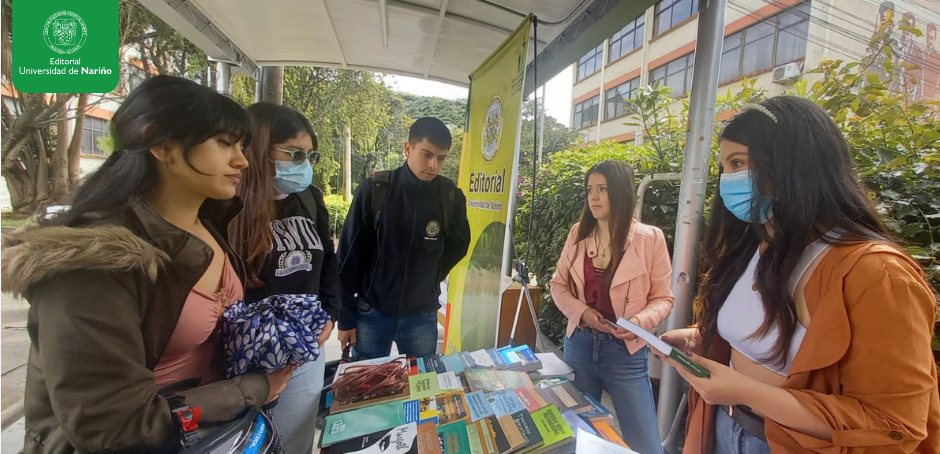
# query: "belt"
x,y
747,419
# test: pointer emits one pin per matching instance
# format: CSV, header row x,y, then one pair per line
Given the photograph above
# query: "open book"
x,y
663,347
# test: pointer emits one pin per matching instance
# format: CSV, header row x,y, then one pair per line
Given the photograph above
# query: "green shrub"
x,y
338,209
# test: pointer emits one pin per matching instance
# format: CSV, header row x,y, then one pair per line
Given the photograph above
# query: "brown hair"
x,y
250,232
622,196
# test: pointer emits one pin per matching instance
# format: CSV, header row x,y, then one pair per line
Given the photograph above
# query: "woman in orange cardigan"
x,y
614,266
816,327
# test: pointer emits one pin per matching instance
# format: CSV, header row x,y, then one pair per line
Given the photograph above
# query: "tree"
x,y
151,47
32,160
332,98
40,152
452,112
556,137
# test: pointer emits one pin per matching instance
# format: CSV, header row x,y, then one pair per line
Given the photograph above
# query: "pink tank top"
x,y
195,347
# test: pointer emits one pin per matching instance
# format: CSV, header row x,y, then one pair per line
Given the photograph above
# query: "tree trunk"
x,y
60,163
22,192
7,40
42,175
75,147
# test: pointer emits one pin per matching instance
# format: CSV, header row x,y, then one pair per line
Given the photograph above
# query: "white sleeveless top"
x,y
743,313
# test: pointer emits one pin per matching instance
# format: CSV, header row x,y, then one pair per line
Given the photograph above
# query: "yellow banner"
x,y
488,178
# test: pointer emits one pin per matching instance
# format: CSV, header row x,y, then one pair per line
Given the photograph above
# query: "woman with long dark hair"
x,y
815,325
284,235
126,288
614,266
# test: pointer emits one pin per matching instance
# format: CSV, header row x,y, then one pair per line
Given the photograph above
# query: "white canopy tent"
x,y
445,40
441,40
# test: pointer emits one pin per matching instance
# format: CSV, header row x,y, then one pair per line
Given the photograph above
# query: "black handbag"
x,y
253,431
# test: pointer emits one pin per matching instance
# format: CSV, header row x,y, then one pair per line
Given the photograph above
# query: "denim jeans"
x,y
415,335
600,360
730,438
295,414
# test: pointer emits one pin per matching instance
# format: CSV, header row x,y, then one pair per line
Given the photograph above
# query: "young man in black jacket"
x,y
404,232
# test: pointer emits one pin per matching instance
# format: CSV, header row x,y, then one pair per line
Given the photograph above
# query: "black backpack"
x,y
380,183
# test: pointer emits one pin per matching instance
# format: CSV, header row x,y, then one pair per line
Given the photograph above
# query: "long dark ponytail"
x,y
161,111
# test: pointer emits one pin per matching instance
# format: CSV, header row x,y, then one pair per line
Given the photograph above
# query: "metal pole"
x,y
711,27
272,84
347,163
223,78
542,126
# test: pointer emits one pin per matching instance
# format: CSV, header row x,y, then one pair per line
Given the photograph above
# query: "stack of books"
x,y
459,404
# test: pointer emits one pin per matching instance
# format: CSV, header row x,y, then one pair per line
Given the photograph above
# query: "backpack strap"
x,y
447,189
382,179
380,182
309,203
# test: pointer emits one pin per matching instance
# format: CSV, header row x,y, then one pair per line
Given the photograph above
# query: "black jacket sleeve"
x,y
457,238
329,272
355,252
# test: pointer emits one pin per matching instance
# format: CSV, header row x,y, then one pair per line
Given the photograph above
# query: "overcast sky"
x,y
558,92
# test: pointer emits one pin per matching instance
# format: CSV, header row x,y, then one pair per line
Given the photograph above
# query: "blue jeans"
x,y
600,360
415,335
295,414
730,438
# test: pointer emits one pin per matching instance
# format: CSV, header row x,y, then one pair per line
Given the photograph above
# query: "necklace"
x,y
601,250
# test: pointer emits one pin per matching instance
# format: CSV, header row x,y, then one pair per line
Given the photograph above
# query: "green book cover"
x,y
424,385
362,421
551,425
454,438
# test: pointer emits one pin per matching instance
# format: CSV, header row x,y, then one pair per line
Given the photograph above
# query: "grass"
x,y
10,220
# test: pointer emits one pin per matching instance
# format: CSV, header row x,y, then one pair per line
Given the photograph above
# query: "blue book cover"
x,y
498,361
412,411
479,406
505,402
597,408
453,363
422,368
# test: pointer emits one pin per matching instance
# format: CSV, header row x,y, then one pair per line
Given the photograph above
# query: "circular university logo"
x,y
492,128
65,32
433,229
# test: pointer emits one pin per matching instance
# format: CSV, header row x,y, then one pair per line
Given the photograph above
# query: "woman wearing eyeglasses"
x,y
284,236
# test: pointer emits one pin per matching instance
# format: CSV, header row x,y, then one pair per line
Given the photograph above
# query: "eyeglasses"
x,y
300,156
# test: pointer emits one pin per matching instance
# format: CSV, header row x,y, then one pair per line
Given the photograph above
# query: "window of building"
x,y
92,129
676,74
615,106
774,41
585,113
669,13
792,31
629,37
591,62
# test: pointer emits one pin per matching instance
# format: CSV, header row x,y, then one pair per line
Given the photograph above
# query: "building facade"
x,y
774,42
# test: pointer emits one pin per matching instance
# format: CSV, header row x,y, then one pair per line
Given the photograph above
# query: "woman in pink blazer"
x,y
613,266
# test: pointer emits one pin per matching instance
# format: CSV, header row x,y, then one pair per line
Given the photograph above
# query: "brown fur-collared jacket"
x,y
104,299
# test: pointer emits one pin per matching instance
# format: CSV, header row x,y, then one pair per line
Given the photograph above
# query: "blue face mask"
x,y
290,177
738,196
